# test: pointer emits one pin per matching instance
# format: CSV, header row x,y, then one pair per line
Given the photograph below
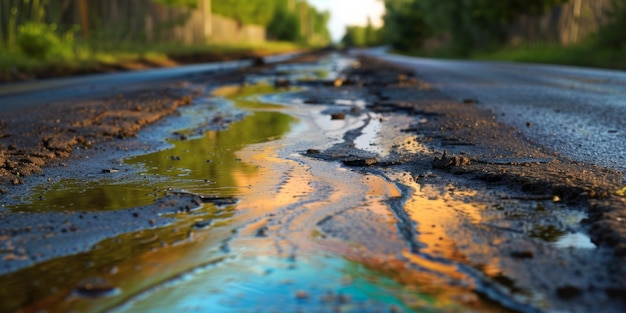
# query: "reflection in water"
x,y
271,249
280,285
575,240
210,164
136,261
205,165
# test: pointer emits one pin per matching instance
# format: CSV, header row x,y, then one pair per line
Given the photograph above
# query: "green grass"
x,y
86,58
583,54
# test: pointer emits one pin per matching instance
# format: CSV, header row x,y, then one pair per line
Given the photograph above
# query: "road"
x,y
356,189
34,93
578,112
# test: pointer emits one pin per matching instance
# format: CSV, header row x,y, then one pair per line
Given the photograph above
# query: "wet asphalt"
x,y
577,112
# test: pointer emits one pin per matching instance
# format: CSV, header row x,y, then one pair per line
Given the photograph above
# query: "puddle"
x,y
367,141
575,240
269,284
549,233
206,165
219,250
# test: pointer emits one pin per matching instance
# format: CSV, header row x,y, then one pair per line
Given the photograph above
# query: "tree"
x,y
284,26
469,23
613,34
354,36
405,26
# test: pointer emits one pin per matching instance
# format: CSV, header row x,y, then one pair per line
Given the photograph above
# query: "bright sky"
x,y
350,12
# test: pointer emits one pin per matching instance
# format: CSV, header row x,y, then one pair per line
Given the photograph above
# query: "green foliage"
x,y
363,36
258,12
178,3
405,25
40,33
586,53
354,37
319,34
299,22
285,26
469,23
613,34
39,40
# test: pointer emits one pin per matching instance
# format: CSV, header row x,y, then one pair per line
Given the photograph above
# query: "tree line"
x,y
286,20
50,28
468,25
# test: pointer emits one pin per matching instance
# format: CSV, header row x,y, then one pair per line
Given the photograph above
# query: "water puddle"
x,y
206,164
301,234
269,284
368,140
575,240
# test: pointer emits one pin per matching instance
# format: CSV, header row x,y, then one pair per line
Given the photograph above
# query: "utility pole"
x,y
576,25
291,6
84,17
205,8
304,20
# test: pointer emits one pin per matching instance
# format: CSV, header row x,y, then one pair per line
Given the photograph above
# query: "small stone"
x,y
312,151
262,232
203,224
361,162
302,295
338,116
523,254
96,288
338,82
568,292
446,162
281,83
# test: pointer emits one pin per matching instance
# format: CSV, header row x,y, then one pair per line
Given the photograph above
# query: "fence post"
x,y
84,17
205,8
576,21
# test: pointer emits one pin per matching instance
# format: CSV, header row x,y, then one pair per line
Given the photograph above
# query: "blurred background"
x,y
59,37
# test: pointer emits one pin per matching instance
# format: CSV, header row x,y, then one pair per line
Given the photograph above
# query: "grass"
x,y
583,54
86,58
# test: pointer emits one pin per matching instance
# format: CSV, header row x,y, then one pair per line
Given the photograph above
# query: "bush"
x,y
613,34
40,41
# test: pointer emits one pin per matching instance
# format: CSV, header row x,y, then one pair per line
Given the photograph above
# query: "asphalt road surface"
x,y
578,112
361,190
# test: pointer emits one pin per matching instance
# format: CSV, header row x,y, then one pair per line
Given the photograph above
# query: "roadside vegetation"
x,y
583,33
363,36
41,38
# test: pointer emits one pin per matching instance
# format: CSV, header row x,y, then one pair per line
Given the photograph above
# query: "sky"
x,y
350,12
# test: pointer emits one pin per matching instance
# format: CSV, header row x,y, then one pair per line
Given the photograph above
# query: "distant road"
x,y
578,112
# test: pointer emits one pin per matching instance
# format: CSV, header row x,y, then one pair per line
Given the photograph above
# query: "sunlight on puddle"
x,y
186,266
575,240
367,140
210,164
207,165
272,284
